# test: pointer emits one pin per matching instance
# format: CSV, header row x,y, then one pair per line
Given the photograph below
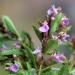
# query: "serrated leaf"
x,y
10,52
38,33
55,23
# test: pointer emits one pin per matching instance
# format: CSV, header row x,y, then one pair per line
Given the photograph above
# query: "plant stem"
x,y
40,69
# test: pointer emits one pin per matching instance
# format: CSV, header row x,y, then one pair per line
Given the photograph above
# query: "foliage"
x,y
19,56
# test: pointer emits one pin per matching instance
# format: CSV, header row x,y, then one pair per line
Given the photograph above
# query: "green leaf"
x,y
64,70
27,39
69,27
2,58
66,29
38,33
10,52
52,69
9,25
51,45
26,35
30,54
67,48
55,23
28,66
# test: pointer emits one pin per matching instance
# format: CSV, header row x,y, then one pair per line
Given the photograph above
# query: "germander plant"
x,y
18,54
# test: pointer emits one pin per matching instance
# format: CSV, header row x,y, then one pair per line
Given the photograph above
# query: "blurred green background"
x,y
25,13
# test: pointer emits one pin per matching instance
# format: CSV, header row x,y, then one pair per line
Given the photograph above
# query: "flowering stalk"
x,y
53,33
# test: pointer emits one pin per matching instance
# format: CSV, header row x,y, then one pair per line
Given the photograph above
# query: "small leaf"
x,y
55,23
38,33
51,45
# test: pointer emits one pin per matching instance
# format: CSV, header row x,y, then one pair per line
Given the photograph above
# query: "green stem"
x,y
46,68
40,69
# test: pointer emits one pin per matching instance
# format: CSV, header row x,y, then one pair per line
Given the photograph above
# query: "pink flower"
x,y
44,27
58,57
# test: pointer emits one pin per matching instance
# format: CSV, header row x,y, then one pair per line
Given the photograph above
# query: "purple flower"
x,y
58,57
14,67
37,51
52,10
44,27
65,36
65,21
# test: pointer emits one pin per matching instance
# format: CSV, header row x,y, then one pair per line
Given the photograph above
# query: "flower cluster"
x,y
60,34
